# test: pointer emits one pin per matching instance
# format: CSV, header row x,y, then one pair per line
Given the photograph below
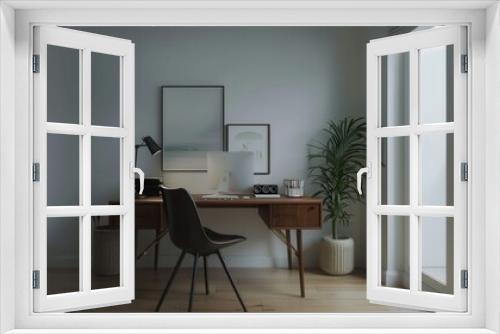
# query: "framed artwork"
x,y
193,124
254,138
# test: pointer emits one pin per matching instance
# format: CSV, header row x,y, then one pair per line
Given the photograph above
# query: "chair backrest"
x,y
183,221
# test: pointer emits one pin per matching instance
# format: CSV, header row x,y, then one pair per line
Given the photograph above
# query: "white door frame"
x,y
313,13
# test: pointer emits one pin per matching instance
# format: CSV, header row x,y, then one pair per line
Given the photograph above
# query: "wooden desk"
x,y
279,214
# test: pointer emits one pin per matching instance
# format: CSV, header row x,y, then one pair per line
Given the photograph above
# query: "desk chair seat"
x,y
187,233
223,240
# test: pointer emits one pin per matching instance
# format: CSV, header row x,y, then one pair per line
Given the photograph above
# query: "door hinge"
x,y
36,279
464,279
36,172
464,171
36,64
465,64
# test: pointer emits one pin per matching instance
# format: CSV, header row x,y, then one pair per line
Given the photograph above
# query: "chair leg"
x,y
170,280
231,280
206,274
193,277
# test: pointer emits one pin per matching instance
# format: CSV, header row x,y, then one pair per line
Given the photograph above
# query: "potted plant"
x,y
334,164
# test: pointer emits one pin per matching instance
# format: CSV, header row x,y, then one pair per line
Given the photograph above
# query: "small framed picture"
x,y
254,138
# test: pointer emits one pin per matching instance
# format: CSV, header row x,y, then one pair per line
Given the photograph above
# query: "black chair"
x,y
187,233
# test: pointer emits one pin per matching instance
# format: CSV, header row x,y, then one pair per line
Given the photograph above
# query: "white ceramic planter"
x,y
336,256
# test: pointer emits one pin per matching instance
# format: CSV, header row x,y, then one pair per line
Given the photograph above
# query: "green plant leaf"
x,y
333,167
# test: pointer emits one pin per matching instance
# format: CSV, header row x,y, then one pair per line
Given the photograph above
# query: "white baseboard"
x,y
235,261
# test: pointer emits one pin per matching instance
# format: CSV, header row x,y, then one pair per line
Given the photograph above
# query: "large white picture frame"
x,y
193,124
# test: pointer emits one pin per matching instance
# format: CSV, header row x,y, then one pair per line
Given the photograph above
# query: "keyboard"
x,y
220,196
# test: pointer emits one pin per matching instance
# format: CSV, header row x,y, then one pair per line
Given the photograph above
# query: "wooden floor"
x,y
263,290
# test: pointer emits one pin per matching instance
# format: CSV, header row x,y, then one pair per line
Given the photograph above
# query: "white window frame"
x,y
15,271
412,43
86,43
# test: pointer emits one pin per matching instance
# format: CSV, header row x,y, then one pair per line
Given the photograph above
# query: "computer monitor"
x,y
230,172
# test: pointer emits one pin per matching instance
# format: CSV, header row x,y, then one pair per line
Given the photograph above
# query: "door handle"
x,y
361,171
134,170
141,179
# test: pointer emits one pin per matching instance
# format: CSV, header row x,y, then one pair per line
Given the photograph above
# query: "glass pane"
x,y
105,170
436,84
395,251
63,255
63,85
395,89
437,254
105,90
395,171
105,252
436,161
63,170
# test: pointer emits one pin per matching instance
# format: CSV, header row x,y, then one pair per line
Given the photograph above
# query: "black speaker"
x,y
265,189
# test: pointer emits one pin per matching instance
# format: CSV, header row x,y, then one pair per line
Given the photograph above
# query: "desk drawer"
x,y
303,216
148,216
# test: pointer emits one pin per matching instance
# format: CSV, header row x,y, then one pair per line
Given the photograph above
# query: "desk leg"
x,y
301,263
157,246
288,249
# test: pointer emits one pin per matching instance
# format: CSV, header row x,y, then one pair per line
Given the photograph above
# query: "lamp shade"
x,y
152,146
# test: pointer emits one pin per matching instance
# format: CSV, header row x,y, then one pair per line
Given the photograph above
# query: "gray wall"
x,y
295,78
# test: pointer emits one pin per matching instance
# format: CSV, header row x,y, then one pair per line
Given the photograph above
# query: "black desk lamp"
x,y
148,142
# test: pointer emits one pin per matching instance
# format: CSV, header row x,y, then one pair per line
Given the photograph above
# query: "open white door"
x,y
83,254
417,156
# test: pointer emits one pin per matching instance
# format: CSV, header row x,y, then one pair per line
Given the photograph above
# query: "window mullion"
x,y
86,165
414,173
